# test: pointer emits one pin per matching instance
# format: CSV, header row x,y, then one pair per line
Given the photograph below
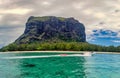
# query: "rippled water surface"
x,y
97,66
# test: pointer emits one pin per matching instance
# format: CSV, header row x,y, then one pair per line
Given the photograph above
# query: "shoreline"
x,y
44,51
60,52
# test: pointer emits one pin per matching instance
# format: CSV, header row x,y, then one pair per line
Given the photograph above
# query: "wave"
x,y
45,56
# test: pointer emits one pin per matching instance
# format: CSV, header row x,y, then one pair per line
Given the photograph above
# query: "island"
x,y
51,33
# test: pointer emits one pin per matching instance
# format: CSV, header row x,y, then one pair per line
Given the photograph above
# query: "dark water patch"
x,y
59,73
23,74
29,65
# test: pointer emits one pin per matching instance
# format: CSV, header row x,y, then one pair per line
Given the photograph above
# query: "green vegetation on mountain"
x,y
45,18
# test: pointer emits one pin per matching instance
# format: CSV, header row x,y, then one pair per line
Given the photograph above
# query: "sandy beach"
x,y
61,52
45,51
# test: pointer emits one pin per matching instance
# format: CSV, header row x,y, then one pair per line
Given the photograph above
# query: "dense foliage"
x,y
66,46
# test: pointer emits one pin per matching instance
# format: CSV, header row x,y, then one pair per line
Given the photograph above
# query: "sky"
x,y
100,17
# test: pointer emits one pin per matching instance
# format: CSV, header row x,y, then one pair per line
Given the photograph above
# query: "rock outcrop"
x,y
51,28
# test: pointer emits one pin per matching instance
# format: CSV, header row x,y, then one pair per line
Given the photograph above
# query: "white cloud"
x,y
0,17
99,15
1,34
46,3
118,35
1,42
78,5
21,11
116,41
90,38
88,11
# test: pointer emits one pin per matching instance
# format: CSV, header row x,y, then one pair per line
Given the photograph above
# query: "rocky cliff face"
x,y
50,28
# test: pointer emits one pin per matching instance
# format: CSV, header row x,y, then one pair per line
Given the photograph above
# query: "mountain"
x,y
54,33
51,28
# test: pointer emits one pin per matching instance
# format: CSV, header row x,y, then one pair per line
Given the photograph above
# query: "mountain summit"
x,y
51,28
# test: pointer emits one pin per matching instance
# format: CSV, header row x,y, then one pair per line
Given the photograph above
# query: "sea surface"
x,y
96,66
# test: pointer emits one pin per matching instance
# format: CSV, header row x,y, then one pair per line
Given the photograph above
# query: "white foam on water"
x,y
45,56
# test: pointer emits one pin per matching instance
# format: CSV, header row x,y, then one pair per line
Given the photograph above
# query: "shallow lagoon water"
x,y
96,66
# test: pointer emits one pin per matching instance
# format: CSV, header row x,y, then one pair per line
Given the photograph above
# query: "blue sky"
x,y
100,17
105,37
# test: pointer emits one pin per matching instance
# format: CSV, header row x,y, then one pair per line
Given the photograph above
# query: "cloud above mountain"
x,y
95,14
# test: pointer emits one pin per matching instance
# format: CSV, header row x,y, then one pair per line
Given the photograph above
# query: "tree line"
x,y
61,46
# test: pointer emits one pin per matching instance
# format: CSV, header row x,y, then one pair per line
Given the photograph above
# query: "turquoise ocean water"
x,y
96,66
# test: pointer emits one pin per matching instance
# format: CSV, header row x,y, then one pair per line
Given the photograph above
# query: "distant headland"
x,y
54,33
